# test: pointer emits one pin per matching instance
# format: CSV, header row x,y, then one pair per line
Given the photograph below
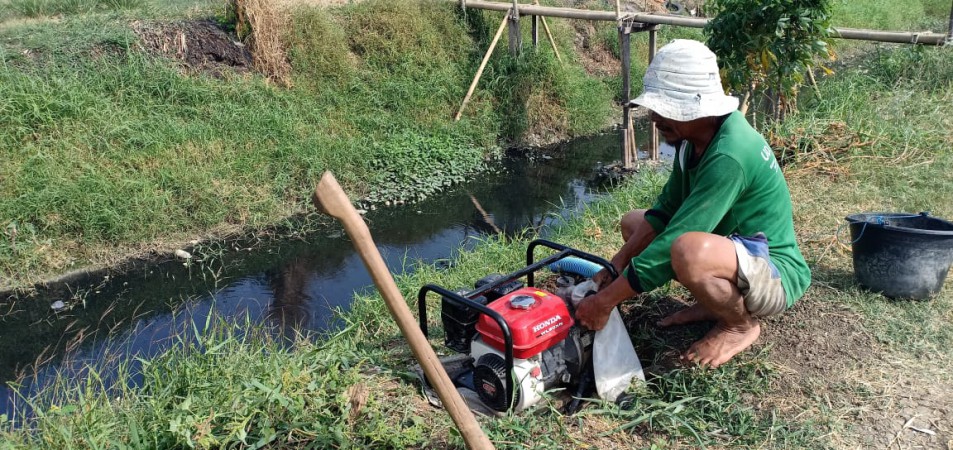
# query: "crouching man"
x,y
722,225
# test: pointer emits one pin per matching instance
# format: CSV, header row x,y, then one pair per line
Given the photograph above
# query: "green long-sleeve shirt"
x,y
736,187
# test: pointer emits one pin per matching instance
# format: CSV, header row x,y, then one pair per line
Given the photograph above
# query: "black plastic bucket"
x,y
901,255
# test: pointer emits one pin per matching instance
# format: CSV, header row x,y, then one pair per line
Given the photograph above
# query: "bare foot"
x,y
722,343
694,313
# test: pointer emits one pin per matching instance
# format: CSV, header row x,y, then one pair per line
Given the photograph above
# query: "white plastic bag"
x,y
614,360
580,290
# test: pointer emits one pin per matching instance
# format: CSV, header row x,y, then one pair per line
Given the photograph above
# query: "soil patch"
x,y
199,45
817,340
825,352
596,59
829,366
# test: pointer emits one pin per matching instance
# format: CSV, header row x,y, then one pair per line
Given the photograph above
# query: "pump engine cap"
x,y
522,302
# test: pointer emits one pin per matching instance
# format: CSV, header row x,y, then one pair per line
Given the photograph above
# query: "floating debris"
x,y
615,172
182,254
58,305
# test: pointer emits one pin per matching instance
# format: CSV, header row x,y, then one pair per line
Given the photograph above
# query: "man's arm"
x,y
641,237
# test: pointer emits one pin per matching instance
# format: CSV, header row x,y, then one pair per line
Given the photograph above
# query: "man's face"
x,y
672,131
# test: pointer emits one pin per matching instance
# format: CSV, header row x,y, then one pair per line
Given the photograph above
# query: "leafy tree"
x,y
769,45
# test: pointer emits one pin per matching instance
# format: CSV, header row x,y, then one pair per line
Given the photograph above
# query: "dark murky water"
x,y
298,281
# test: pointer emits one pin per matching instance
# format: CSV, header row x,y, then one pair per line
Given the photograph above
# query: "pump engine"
x,y
528,332
549,351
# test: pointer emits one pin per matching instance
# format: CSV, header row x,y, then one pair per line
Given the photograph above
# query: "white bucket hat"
x,y
682,83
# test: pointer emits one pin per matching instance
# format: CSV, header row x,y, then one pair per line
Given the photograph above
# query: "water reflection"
x,y
289,307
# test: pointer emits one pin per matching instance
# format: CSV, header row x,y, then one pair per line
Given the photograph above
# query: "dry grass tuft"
x,y
819,154
266,23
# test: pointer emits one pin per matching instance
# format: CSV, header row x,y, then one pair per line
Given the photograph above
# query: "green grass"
x,y
890,15
261,398
36,8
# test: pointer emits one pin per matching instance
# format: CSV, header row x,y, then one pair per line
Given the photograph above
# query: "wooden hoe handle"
x,y
331,199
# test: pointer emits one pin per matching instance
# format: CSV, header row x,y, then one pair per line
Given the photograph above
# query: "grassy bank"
x,y
112,149
843,369
875,140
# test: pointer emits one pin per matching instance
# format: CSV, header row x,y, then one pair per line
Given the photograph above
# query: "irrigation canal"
x,y
295,282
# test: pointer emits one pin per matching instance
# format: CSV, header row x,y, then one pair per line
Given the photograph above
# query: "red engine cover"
x,y
537,321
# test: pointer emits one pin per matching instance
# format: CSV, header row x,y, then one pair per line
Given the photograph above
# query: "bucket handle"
x,y
841,228
878,220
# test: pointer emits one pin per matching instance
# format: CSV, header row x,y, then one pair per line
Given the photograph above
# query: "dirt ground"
x,y
832,369
199,45
827,353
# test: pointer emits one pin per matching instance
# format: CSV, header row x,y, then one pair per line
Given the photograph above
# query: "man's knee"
x,y
697,255
631,221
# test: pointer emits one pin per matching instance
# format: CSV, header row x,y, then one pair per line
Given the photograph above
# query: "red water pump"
x,y
522,340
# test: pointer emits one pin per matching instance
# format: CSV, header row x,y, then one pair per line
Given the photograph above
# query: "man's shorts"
x,y
758,278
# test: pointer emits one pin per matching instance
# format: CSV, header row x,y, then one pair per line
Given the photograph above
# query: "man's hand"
x,y
602,278
593,312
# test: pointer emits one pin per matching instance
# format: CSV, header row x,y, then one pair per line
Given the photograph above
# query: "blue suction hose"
x,y
578,266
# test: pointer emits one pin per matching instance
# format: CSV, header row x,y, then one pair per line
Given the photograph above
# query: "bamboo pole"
x,y
897,37
551,40
486,216
653,47
949,33
515,36
486,58
810,76
626,50
535,32
632,144
549,34
536,20
745,100
924,38
547,11
330,198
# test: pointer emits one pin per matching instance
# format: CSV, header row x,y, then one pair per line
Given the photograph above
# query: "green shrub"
x,y
768,45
